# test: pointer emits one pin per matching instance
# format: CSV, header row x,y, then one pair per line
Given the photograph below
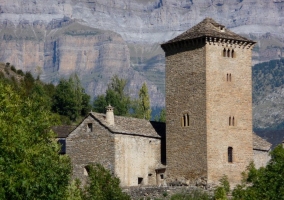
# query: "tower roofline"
x,y
208,28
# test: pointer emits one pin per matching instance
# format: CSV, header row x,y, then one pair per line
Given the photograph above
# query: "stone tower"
x,y
208,104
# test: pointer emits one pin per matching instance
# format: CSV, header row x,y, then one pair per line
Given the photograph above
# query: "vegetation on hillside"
x,y
123,104
68,98
30,164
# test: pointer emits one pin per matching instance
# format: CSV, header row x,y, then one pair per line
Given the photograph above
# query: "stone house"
x,y
208,132
130,148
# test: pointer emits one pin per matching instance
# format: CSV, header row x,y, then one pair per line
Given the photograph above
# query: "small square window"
x,y
140,180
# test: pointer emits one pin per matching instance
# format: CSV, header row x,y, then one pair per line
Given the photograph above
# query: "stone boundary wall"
x,y
161,193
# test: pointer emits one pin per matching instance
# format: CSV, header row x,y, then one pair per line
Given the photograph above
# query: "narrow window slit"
x,y
187,119
230,154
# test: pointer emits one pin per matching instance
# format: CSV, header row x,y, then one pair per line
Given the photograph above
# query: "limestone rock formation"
x,y
98,38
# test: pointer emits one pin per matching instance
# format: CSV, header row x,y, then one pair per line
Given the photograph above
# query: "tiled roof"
x,y
132,126
63,130
208,28
260,144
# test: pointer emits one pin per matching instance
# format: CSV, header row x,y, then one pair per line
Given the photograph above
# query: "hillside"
x,y
98,39
268,93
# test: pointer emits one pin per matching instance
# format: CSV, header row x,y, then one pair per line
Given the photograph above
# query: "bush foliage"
x,y
102,185
264,183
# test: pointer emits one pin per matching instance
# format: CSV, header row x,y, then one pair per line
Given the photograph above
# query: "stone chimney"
x,y
109,115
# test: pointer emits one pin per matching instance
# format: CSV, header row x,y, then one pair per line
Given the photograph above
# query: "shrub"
x,y
102,185
13,68
194,195
20,72
266,182
222,191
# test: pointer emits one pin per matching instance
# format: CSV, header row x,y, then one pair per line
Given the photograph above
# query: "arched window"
x,y
230,77
230,121
230,154
224,53
227,77
228,53
233,122
233,54
185,120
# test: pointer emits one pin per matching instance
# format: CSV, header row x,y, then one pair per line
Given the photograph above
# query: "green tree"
x,y
86,106
30,166
161,117
115,96
70,98
102,185
28,83
100,104
144,107
266,182
64,102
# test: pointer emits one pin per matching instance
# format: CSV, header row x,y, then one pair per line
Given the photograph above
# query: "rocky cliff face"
x,y
98,38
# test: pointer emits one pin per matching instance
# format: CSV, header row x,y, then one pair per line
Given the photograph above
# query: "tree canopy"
x,y
144,106
30,166
70,99
123,104
115,96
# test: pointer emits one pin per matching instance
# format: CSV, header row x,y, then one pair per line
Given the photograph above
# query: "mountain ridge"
x,y
97,39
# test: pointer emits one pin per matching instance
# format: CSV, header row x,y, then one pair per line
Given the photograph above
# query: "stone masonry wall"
x,y
228,98
136,157
260,158
185,94
84,147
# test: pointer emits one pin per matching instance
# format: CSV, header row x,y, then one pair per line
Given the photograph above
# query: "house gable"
x,y
89,143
